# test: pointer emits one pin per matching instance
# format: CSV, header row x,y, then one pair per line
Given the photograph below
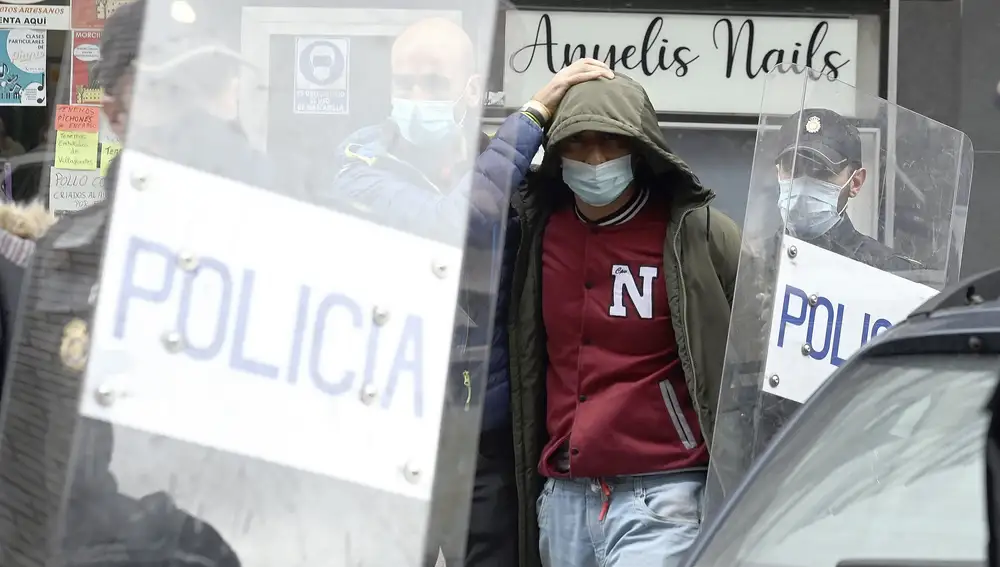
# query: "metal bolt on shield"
x,y
104,395
412,473
139,180
793,251
368,394
813,300
439,269
380,315
806,349
774,381
173,341
187,261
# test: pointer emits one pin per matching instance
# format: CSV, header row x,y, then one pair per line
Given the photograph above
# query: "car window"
x,y
887,465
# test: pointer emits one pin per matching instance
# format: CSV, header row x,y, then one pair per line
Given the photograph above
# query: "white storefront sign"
x,y
34,14
687,63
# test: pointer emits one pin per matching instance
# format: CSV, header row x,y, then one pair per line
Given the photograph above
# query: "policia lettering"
x,y
825,322
332,316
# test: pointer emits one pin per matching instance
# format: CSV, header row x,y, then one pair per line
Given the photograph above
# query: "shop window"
x,y
54,142
25,109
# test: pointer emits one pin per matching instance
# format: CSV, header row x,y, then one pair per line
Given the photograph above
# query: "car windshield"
x,y
888,465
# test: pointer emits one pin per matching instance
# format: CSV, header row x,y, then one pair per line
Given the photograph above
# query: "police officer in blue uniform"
x,y
824,149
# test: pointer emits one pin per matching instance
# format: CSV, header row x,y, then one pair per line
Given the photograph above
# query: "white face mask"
x,y
598,185
809,206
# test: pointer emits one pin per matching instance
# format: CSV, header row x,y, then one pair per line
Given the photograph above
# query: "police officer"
x,y
412,169
826,157
55,466
819,169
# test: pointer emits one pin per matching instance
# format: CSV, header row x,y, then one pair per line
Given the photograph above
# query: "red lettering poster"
x,y
86,53
91,14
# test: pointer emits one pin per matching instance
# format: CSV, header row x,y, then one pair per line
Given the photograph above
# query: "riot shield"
x,y
850,225
269,345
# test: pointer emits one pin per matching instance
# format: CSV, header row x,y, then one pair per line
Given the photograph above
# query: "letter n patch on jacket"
x,y
625,283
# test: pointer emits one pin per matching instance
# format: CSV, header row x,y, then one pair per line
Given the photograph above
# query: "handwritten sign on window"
x,y
108,152
77,118
74,190
76,150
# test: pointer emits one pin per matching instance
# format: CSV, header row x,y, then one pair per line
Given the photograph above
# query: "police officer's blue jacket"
x,y
370,174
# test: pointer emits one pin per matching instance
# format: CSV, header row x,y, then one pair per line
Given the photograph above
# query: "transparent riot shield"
x,y
269,346
850,225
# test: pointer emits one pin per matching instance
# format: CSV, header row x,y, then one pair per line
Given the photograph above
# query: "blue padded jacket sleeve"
x,y
501,169
478,199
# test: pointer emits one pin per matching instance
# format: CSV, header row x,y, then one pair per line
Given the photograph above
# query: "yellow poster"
x,y
76,150
108,153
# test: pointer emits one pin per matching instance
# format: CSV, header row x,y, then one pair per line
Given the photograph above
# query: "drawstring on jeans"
x,y
605,499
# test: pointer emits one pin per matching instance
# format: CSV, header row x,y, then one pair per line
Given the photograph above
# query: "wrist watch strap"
x,y
535,115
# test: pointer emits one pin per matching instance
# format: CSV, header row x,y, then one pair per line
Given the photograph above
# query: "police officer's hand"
x,y
580,71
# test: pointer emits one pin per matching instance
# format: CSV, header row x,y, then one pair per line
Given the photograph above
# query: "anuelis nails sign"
x,y
687,63
34,14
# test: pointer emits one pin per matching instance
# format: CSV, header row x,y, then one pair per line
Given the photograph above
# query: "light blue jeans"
x,y
650,520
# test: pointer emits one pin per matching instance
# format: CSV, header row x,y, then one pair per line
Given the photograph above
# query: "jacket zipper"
x,y
467,380
683,295
516,275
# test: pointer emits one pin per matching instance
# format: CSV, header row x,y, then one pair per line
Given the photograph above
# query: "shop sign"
x,y
687,63
34,14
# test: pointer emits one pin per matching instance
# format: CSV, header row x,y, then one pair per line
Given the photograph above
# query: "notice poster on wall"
x,y
91,14
86,54
71,190
77,137
111,145
35,14
22,68
322,70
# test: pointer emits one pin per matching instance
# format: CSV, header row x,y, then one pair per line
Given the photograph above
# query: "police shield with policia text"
x,y
825,222
212,368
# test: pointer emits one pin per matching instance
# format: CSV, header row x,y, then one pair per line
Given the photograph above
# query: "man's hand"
x,y
580,71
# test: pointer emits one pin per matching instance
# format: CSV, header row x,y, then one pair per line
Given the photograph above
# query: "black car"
x,y
884,465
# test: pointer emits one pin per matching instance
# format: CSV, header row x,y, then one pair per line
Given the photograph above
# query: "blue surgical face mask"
x,y
425,122
808,206
598,185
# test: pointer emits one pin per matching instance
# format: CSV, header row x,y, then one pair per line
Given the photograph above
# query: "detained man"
x,y
415,169
622,286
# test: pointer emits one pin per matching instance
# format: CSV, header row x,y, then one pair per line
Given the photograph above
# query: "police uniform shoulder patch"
x,y
75,345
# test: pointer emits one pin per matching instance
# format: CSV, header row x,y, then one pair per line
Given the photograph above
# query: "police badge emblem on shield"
x,y
813,124
75,345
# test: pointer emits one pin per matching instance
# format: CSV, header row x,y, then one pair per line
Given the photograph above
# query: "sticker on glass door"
x,y
321,75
